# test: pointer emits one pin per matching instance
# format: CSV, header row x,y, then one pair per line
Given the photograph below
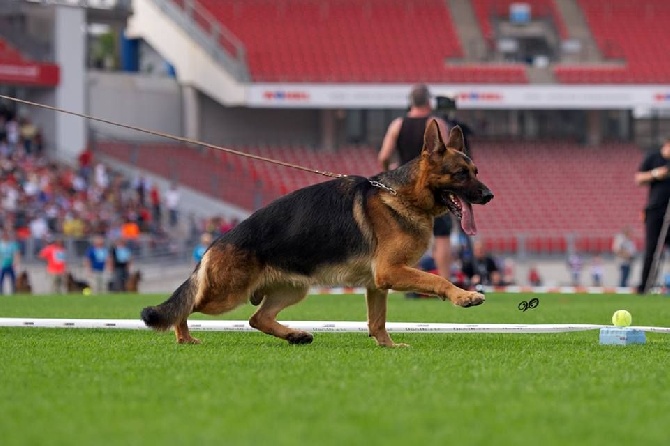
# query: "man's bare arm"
x,y
389,144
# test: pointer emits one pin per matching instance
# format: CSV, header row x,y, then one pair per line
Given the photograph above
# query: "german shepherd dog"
x,y
350,231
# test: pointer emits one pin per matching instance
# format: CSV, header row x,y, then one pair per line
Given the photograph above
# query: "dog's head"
x,y
451,177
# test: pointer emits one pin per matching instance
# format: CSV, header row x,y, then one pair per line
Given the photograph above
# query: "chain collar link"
x,y
383,187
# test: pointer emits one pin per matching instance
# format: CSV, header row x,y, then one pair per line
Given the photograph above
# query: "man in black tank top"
x,y
406,136
654,172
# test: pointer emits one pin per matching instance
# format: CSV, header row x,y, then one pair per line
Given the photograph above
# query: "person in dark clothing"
x,y
446,105
654,172
481,269
405,135
120,260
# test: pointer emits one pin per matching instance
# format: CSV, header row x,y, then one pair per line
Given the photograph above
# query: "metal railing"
x,y
219,42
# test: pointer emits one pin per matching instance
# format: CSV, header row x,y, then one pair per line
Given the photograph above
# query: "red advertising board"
x,y
29,74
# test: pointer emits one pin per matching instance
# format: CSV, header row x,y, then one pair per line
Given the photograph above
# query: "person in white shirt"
x,y
171,202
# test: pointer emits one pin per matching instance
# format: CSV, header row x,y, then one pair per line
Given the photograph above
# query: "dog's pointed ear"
x,y
432,139
456,139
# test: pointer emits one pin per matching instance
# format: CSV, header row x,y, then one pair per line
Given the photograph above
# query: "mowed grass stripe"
x,y
61,386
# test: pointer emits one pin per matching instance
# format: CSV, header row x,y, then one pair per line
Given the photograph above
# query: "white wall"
x,y
237,125
141,100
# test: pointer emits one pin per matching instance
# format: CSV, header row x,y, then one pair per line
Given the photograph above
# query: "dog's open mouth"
x,y
462,210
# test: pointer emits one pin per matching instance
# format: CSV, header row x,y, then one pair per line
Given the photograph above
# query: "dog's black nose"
x,y
487,196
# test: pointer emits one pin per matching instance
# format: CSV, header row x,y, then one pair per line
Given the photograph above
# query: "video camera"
x,y
445,104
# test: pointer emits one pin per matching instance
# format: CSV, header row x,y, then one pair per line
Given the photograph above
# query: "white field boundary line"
x,y
318,326
505,289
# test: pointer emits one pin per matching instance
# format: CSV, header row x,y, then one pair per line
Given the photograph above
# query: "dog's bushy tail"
x,y
175,309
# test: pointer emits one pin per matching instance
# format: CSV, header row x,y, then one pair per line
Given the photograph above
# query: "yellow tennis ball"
x,y
622,318
86,291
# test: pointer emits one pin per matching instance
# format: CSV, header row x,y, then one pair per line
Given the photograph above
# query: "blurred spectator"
x,y
85,163
28,133
39,230
154,198
120,261
4,146
10,258
199,250
481,269
141,185
95,263
172,197
130,232
56,257
534,278
73,225
575,265
597,270
12,132
624,249
101,178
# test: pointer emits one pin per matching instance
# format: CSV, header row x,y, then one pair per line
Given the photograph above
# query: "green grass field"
x,y
101,387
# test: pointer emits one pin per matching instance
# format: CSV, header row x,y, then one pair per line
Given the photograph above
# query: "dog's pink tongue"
x,y
468,218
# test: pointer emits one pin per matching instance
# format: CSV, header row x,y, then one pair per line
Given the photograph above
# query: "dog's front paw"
x,y
467,299
300,337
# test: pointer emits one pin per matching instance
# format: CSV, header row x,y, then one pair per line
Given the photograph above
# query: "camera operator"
x,y
654,172
447,106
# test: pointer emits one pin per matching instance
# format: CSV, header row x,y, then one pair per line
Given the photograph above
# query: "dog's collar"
x,y
382,186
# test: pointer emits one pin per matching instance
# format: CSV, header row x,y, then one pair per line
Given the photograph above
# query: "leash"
x,y
176,138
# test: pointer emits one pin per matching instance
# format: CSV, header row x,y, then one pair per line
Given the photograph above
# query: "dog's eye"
x,y
462,175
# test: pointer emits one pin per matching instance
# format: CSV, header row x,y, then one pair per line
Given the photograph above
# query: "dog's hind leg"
x,y
275,300
376,302
183,335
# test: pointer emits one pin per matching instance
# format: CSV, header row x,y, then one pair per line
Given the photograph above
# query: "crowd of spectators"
x,y
41,199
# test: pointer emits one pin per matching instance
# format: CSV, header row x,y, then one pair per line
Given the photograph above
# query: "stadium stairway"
x,y
577,28
200,51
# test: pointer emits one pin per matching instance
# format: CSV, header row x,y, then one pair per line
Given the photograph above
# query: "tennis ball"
x,y
86,291
622,318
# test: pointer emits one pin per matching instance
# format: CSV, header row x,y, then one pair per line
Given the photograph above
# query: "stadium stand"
x,y
352,41
230,178
561,177
517,173
629,32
